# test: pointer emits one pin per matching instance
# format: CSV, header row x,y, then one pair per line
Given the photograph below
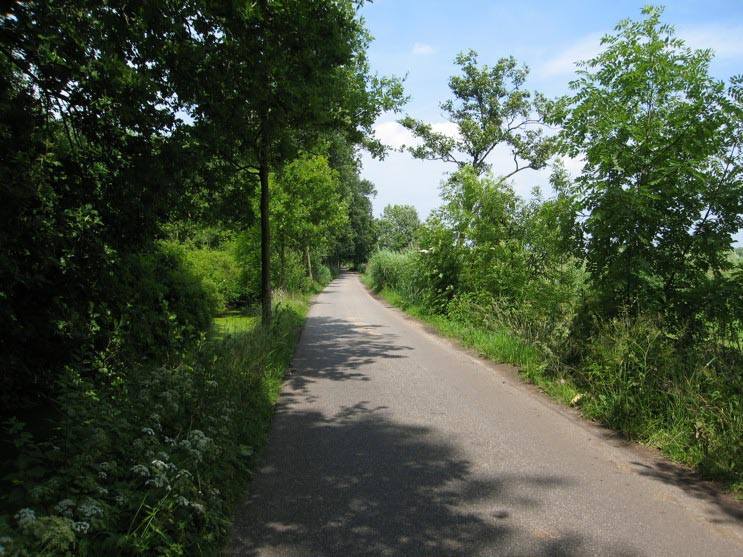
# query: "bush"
x,y
164,302
323,274
220,274
399,271
247,250
684,398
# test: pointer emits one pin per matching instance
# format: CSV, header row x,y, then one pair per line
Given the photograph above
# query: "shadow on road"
x,y
337,349
728,511
359,484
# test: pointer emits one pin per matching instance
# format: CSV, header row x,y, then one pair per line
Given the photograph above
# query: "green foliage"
x,y
309,209
157,466
397,227
398,271
167,304
662,182
442,259
247,257
489,108
219,274
684,399
622,288
126,226
356,241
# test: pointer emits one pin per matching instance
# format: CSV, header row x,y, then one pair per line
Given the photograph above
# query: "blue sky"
x,y
420,38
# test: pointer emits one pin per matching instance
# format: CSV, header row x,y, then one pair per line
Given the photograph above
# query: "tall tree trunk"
x,y
282,261
265,242
309,262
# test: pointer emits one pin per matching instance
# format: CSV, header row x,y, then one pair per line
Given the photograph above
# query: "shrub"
x,y
220,274
323,274
399,271
247,253
685,398
155,466
164,302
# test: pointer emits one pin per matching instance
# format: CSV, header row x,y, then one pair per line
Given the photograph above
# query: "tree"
x,y
309,207
285,72
89,169
489,108
482,212
397,227
662,180
363,226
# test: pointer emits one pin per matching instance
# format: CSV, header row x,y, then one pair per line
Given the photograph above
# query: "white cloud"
x,y
393,134
447,128
564,62
422,48
724,40
574,165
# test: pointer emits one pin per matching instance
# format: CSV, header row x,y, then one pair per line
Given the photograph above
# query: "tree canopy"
x,y
489,107
397,226
663,178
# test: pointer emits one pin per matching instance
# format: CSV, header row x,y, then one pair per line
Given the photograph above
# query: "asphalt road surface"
x,y
389,440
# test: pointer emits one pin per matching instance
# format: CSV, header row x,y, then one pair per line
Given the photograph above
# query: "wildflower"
x,y
90,508
80,528
65,507
148,431
199,440
199,508
25,517
140,470
158,481
107,466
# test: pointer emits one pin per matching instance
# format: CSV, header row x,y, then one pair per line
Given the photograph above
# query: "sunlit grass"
x,y
234,322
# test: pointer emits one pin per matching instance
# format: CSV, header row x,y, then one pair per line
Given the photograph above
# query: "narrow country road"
x,y
388,440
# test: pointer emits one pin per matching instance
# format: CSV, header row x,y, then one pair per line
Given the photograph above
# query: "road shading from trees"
x,y
389,441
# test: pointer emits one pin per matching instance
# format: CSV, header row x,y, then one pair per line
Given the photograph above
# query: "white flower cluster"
x,y
90,509
80,528
65,508
140,470
199,441
25,517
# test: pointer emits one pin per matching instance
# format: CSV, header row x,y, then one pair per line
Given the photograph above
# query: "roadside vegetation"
x,y
622,293
177,180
